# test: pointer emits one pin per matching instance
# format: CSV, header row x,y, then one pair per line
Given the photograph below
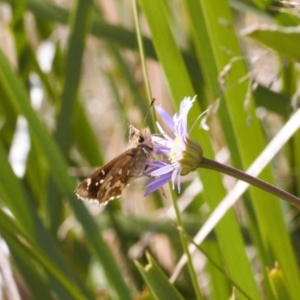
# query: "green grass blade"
x,y
177,77
15,198
103,30
10,231
63,134
20,101
79,28
11,188
245,142
57,245
269,37
157,281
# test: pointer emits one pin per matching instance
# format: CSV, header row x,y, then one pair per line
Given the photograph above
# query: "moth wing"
x,y
99,187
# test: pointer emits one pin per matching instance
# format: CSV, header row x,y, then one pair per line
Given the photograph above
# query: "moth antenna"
x,y
148,111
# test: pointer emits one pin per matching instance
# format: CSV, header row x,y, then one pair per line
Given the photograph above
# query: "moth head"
x,y
140,137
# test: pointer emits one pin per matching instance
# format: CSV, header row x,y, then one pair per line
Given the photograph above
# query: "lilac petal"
x,y
165,116
162,148
162,151
156,180
174,175
185,106
155,165
166,137
158,140
165,141
163,170
181,119
158,163
181,128
157,183
150,182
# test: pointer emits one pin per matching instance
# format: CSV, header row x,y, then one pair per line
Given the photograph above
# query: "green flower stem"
x,y
178,216
213,165
184,243
141,49
213,262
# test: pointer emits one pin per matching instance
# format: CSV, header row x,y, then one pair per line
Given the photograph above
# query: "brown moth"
x,y
108,182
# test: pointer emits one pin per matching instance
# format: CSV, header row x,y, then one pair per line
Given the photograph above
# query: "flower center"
x,y
176,152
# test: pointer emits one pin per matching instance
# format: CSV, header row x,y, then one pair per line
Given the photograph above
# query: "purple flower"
x,y
183,155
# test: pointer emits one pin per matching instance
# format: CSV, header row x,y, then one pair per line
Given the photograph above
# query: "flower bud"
x,y
192,156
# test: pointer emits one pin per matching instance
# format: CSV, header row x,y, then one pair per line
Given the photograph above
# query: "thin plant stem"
x,y
213,262
184,243
213,165
178,216
141,50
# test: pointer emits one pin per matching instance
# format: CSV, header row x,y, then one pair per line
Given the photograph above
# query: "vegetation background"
x,y
71,79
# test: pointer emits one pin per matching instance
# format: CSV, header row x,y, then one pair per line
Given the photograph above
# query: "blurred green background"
x,y
70,81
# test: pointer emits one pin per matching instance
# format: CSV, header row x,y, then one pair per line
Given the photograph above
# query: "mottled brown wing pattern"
x,y
91,188
108,182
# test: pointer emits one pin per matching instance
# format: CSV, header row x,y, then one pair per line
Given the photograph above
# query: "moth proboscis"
x,y
108,182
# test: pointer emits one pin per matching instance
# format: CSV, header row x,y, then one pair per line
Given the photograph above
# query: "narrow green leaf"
x,y
245,140
220,286
34,278
63,134
84,136
103,30
79,28
177,76
180,85
15,198
20,101
272,101
32,250
270,35
10,187
157,281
